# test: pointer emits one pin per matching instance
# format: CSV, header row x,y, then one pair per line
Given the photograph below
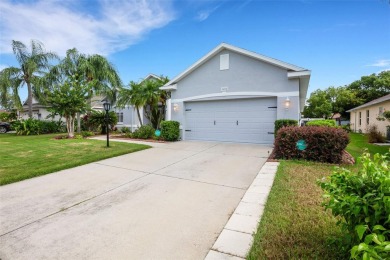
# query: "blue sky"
x,y
340,41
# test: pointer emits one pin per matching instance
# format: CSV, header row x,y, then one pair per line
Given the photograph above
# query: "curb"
x,y
236,239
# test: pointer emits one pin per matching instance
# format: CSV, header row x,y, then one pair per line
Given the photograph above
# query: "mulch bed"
x,y
347,158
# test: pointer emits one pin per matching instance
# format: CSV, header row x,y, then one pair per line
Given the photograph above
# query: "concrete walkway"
x,y
167,202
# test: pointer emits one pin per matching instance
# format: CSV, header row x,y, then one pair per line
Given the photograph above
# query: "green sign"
x,y
157,133
301,145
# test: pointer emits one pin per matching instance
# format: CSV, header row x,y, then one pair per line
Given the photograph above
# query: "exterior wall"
x,y
245,76
43,112
373,114
130,117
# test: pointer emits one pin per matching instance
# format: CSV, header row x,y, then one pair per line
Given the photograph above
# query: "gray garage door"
x,y
238,120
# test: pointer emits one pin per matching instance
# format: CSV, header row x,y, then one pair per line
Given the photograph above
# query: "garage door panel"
x,y
240,120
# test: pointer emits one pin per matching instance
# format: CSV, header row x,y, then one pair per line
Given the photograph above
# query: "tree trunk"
x,y
70,126
78,123
139,116
29,99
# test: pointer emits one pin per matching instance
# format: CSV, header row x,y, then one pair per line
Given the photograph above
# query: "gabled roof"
x,y
373,102
294,71
151,76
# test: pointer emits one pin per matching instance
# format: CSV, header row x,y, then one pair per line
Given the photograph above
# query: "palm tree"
x,y
33,65
133,96
98,72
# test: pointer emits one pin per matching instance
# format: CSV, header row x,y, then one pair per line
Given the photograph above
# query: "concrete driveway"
x,y
167,202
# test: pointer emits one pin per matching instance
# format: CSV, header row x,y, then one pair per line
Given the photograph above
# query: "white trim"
x,y
170,87
237,94
298,74
222,46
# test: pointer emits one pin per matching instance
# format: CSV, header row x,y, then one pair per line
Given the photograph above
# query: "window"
x,y
368,116
360,118
380,111
120,117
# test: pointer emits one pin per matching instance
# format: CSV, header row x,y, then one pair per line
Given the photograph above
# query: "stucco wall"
x,y
373,114
244,74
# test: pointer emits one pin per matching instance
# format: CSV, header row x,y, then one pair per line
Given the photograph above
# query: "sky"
x,y
339,41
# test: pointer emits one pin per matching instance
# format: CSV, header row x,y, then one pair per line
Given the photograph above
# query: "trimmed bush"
x,y
87,134
170,130
374,136
361,201
323,144
144,132
284,122
329,123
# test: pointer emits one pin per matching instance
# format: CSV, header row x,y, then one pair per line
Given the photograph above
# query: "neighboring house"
x,y
236,95
127,117
39,111
366,115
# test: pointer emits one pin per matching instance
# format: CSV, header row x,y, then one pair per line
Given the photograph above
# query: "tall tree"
x,y
69,98
32,66
319,105
371,87
131,95
96,70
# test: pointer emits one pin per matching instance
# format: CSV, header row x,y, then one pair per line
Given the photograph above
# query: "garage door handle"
x,y
237,122
214,122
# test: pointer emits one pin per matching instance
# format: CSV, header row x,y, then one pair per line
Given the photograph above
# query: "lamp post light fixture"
x,y
107,107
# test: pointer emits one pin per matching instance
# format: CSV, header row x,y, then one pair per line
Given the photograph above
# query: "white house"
x,y
235,95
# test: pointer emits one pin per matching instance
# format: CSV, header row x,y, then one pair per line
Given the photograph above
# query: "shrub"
x,y
170,130
284,122
33,126
374,136
347,128
323,144
362,201
87,134
144,132
329,123
125,130
48,127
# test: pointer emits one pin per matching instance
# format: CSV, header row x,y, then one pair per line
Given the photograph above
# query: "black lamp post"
x,y
107,107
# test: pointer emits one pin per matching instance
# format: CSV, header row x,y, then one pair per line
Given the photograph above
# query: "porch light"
x,y
287,103
175,107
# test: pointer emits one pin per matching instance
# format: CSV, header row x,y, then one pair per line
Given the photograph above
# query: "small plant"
x,y
170,130
347,128
329,123
87,134
282,123
374,136
362,201
27,127
97,119
144,132
125,130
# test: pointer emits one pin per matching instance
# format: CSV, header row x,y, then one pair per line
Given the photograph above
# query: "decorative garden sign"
x,y
301,145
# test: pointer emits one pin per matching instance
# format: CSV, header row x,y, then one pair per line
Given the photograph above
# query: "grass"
x,y
359,143
294,224
24,157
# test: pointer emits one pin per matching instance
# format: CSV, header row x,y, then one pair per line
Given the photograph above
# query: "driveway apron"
x,y
167,202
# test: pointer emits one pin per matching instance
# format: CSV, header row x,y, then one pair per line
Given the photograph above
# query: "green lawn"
x,y
24,157
359,142
294,224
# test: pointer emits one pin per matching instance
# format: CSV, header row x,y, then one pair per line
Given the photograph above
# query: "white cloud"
x,y
204,14
3,66
109,26
380,63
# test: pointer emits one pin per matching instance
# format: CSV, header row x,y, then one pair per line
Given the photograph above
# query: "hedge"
x,y
329,122
170,130
323,144
284,122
